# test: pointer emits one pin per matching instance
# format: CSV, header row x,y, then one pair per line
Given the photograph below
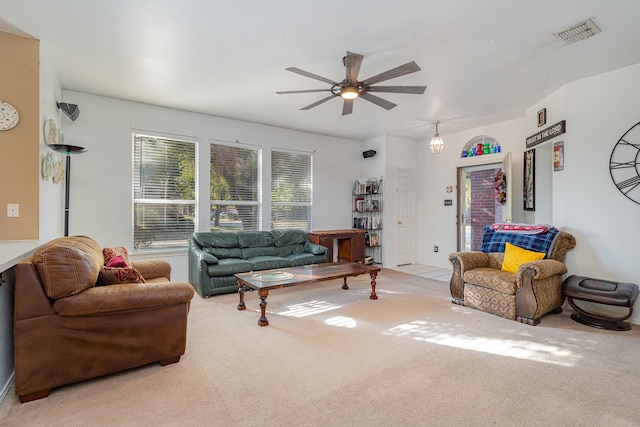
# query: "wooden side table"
x,y
350,243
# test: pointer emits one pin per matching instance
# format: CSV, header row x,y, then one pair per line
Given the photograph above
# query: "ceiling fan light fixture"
x,y
437,144
349,92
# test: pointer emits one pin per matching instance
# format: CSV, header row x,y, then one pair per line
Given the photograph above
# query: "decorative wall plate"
x,y
8,116
624,164
50,132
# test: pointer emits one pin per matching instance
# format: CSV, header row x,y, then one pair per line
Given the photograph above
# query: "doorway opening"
x,y
479,203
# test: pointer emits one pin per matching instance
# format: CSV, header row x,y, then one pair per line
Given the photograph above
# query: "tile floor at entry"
x,y
430,272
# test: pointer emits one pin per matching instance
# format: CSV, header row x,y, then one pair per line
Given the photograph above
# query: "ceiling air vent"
x,y
578,32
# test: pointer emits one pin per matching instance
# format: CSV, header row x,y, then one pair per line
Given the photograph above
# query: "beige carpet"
x,y
331,357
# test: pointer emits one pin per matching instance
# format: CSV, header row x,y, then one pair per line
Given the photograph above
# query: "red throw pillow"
x,y
117,261
109,253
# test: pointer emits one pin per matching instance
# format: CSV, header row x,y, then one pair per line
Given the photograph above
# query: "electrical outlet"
x,y
13,210
435,249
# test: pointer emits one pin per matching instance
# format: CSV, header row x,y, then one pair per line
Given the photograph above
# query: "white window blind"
x,y
291,190
164,191
235,201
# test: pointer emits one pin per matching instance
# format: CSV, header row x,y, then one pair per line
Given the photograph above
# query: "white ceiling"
x,y
482,61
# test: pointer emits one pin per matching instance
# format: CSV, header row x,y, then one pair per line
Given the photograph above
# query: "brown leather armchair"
x,y
67,329
535,290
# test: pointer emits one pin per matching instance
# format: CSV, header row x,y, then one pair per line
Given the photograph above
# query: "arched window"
x,y
490,142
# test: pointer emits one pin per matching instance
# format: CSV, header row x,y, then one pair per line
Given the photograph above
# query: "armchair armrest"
x,y
153,269
125,296
541,273
463,261
469,260
540,269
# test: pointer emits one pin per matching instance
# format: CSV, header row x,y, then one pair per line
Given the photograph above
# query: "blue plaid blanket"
x,y
494,241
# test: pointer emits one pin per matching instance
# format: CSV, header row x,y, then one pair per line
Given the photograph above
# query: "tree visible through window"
x,y
235,202
164,195
291,190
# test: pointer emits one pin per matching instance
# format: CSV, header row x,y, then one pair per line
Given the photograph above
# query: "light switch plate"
x,y
13,210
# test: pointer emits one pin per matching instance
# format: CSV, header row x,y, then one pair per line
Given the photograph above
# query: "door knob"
x,y
399,222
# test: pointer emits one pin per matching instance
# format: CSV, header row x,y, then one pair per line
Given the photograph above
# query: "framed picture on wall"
x,y
529,193
542,117
558,156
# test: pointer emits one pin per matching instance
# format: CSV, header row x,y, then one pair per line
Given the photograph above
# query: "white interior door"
x,y
404,179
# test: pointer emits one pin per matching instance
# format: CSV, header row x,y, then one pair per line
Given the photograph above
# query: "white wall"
x,y
583,199
600,110
100,200
437,223
51,203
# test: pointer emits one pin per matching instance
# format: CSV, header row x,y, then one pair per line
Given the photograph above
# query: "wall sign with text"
x,y
546,134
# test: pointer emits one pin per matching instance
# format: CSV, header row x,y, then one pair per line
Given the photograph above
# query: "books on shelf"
x,y
362,205
366,223
369,186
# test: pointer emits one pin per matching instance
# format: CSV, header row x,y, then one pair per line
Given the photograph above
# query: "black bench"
x,y
601,292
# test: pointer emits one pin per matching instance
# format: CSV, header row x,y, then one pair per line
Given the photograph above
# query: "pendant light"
x,y
437,144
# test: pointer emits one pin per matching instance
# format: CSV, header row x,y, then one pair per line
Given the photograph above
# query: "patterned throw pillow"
x,y
121,251
113,276
515,256
116,261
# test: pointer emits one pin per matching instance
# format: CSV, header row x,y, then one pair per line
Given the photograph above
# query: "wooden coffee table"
x,y
266,280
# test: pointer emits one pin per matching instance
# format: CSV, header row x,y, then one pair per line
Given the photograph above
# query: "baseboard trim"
x,y
7,387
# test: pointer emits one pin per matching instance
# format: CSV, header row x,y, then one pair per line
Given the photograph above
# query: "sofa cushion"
x,y
222,253
269,262
68,265
260,251
515,256
501,281
303,259
229,267
287,250
218,239
288,237
251,239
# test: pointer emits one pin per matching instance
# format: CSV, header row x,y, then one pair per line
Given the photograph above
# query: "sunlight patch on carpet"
x,y
309,308
342,322
441,334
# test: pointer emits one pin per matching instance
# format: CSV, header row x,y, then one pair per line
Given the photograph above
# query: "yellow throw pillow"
x,y
515,256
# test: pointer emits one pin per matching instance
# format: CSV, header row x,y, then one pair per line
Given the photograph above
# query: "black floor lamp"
x,y
72,111
68,151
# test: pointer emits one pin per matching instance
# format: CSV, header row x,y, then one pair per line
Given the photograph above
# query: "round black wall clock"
x,y
624,164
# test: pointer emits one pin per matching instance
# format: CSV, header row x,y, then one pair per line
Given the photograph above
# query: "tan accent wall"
x,y
19,146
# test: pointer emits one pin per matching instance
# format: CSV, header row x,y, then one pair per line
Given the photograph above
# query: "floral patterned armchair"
x,y
478,279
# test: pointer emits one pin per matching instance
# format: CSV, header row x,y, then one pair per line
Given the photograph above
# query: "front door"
x,y
484,197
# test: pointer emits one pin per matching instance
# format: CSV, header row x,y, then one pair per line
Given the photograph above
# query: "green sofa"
x,y
214,257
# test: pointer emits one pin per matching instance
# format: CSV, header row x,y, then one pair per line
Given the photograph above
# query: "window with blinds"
x,y
234,184
291,190
164,191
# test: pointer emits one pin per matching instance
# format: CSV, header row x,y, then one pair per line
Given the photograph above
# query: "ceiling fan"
x,y
351,88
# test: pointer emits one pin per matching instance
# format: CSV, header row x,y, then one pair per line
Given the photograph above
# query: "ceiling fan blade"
x,y
315,104
347,107
310,75
408,68
419,90
302,91
387,105
352,63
